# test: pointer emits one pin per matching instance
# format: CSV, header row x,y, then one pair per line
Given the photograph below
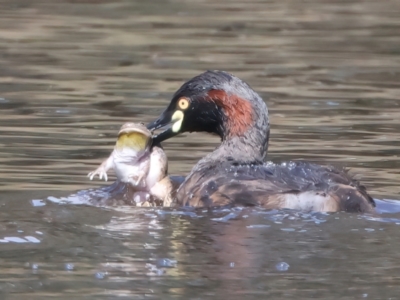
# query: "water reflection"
x,y
73,71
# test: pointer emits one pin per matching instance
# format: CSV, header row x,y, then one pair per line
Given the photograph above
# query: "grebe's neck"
x,y
251,147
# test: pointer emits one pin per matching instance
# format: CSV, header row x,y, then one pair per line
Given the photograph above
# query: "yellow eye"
x,y
183,103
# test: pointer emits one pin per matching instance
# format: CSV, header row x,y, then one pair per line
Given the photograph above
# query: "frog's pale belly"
x,y
131,168
125,172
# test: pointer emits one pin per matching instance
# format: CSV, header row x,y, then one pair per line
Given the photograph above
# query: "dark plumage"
x,y
235,172
297,185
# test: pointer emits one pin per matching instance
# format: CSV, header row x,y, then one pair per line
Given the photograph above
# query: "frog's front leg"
x,y
102,169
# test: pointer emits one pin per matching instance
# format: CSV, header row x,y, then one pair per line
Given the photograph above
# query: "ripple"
x,y
20,240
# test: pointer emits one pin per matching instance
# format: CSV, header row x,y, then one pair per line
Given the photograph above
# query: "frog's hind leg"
x,y
138,180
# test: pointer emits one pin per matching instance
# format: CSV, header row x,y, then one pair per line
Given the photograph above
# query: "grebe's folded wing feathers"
x,y
295,185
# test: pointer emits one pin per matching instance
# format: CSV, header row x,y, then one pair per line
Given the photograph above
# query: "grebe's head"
x,y
216,102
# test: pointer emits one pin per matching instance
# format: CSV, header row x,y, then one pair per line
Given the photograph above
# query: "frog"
x,y
140,165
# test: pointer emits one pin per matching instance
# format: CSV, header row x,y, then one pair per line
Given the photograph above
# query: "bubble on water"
x,y
232,265
100,275
369,229
35,268
37,202
282,266
69,266
166,263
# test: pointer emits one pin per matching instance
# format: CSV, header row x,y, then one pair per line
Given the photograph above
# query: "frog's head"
x,y
134,136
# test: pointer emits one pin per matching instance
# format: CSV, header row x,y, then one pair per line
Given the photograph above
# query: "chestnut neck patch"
x,y
238,111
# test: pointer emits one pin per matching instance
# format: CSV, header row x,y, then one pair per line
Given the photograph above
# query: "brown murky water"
x,y
73,71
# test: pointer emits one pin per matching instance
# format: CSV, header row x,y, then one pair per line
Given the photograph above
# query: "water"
x,y
73,71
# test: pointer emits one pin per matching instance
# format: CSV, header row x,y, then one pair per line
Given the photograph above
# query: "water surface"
x,y
73,71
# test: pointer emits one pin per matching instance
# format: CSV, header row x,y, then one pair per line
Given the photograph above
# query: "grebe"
x,y
236,173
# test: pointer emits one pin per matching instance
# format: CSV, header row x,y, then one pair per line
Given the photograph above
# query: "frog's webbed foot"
x,y
101,171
